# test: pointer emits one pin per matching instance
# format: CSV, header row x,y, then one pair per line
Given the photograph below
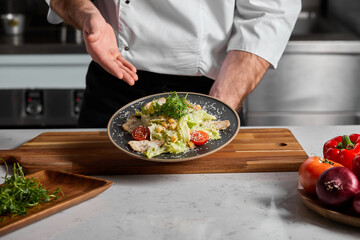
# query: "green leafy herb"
x,y
174,107
18,193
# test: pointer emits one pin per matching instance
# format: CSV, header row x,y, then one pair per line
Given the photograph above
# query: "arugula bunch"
x,y
174,107
18,193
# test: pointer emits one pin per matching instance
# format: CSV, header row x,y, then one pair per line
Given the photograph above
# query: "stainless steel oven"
x,y
39,108
318,76
41,90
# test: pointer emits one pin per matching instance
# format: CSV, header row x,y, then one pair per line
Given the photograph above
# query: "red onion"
x,y
356,166
336,186
356,203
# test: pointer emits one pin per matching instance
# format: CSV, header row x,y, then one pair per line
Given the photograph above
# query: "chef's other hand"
x,y
101,44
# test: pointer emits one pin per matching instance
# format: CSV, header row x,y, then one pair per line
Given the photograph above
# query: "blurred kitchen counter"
x,y
192,206
40,48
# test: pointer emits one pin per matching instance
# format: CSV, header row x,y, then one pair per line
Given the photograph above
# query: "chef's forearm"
x,y
240,73
74,12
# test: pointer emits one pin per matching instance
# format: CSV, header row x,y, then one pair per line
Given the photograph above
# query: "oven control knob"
x,y
34,102
34,108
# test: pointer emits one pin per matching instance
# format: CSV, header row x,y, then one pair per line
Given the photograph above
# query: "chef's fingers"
x,y
121,72
126,63
127,70
128,78
113,68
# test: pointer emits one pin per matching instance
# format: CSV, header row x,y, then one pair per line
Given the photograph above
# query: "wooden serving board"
x,y
92,153
76,188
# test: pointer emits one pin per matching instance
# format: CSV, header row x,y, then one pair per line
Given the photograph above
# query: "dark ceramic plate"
x,y
211,105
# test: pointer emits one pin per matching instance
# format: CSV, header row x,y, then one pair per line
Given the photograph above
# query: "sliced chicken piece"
x,y
160,101
142,146
132,123
219,125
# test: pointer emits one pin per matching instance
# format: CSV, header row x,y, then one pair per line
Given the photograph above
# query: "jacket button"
x,y
127,1
126,48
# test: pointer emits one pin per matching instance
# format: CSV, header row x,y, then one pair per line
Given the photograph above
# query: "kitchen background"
x,y
43,67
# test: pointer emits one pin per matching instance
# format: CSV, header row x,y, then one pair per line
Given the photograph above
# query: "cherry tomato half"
x,y
141,133
310,171
199,137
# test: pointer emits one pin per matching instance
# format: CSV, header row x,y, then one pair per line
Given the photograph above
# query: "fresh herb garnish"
x,y
174,107
18,193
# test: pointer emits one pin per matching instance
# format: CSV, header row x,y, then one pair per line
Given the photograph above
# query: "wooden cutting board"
x,y
92,153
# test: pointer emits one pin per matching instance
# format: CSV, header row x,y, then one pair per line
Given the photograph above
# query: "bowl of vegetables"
x,y
331,187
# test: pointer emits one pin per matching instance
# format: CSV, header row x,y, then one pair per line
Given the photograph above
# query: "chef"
x,y
140,47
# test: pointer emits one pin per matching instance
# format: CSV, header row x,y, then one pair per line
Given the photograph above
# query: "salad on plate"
x,y
171,124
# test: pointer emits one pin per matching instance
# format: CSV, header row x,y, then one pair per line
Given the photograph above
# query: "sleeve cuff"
x,y
52,17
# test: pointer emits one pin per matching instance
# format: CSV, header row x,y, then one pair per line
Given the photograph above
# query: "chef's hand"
x,y
240,73
102,46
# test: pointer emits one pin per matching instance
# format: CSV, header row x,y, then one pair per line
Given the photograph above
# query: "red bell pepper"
x,y
342,149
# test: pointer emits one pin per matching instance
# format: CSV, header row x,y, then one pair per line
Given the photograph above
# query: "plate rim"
x,y
172,160
333,215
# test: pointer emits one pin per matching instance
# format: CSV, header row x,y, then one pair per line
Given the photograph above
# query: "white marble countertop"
x,y
192,206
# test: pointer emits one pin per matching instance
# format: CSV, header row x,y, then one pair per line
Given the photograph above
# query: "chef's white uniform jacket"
x,y
192,37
